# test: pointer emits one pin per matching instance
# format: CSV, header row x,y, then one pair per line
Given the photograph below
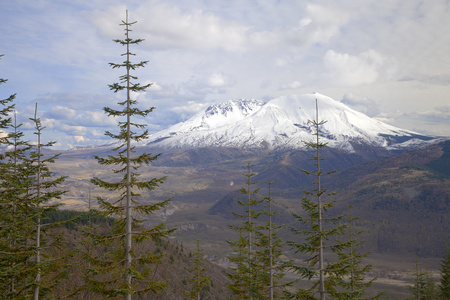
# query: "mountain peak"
x,y
284,122
245,106
232,110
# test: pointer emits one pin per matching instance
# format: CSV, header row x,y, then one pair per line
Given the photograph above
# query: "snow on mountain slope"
x,y
281,123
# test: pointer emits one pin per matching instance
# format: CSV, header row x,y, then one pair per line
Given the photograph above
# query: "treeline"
x,y
71,219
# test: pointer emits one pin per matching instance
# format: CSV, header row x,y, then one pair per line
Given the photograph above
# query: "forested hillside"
x,y
176,266
403,201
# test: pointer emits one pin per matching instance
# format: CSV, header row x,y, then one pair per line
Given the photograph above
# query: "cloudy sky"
x,y
389,59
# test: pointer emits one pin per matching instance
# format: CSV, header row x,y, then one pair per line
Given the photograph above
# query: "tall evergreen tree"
x,y
250,276
199,279
7,280
355,284
42,191
28,259
17,212
444,287
16,218
320,234
271,245
122,270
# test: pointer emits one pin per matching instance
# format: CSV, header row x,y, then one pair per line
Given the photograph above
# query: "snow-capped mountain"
x,y
283,122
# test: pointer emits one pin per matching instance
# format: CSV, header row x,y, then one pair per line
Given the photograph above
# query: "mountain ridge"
x,y
283,122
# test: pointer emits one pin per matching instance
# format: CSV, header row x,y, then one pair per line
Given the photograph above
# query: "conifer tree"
x,y
16,218
48,267
320,232
16,213
7,279
28,259
250,277
444,287
271,245
7,107
355,284
87,246
423,287
199,278
122,271
24,196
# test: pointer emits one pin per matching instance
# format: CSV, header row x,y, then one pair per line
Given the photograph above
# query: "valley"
x,y
396,181
401,199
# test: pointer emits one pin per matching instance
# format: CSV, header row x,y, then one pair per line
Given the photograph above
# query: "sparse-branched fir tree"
x,y
444,286
355,284
250,275
122,270
199,280
271,246
423,287
49,261
320,234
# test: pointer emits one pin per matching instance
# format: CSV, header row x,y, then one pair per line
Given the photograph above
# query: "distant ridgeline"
x,y
442,164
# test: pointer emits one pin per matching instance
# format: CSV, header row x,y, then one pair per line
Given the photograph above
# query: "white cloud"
x,y
325,20
155,86
368,106
291,86
349,70
197,87
432,121
190,108
79,139
97,133
72,130
217,80
166,26
61,113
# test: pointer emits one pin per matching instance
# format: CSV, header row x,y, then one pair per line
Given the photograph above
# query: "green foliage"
x,y
72,219
30,259
123,270
199,279
423,287
7,107
355,284
49,262
17,218
271,246
321,233
250,276
444,287
257,252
